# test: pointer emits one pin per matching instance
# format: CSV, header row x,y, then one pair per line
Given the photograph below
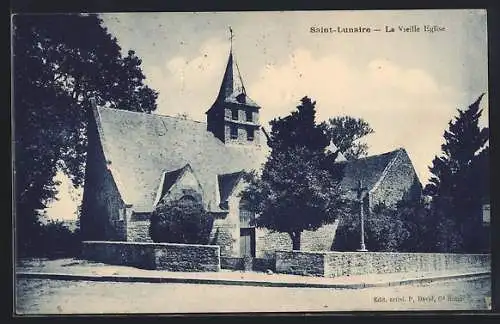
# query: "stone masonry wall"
x,y
103,209
398,182
138,231
333,264
238,264
157,256
319,240
300,263
225,234
140,255
268,243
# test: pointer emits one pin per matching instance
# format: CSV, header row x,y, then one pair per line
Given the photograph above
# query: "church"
x,y
137,160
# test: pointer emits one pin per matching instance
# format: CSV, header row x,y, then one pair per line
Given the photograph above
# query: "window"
x,y
250,134
121,213
486,214
234,114
249,116
246,216
234,132
241,98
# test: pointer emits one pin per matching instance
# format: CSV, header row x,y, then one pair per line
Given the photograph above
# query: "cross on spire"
x,y
231,36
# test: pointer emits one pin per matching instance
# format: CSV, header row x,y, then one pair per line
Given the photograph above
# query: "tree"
x,y
59,63
182,221
346,132
458,183
298,188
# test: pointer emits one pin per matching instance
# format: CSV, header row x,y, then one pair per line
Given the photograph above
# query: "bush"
x,y
409,227
385,231
50,240
183,221
59,241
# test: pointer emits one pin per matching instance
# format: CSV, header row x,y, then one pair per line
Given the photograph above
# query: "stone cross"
x,y
361,192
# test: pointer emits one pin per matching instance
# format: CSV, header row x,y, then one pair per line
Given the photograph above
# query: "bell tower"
x,y
234,117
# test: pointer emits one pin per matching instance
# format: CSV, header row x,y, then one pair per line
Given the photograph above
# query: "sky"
x,y
406,85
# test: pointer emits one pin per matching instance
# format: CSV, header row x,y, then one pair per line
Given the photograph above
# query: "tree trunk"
x,y
295,240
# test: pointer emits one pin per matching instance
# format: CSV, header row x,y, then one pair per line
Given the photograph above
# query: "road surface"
x,y
41,296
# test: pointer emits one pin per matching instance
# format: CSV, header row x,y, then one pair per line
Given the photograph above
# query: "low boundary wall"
x,y
154,256
333,264
256,264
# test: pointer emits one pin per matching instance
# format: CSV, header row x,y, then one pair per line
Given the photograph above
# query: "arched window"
x,y
246,216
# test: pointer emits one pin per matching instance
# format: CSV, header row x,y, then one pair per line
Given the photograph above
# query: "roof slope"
x,y
232,85
140,147
369,169
227,182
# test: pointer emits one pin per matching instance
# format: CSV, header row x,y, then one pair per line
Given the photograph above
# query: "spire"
x,y
232,83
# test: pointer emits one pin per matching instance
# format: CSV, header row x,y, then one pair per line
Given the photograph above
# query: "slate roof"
x,y
145,150
167,181
369,169
232,85
140,147
227,182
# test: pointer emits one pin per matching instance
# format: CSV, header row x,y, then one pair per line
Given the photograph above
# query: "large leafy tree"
x,y
459,182
59,63
298,188
346,133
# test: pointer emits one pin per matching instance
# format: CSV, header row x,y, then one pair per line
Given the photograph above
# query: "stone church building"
x,y
136,160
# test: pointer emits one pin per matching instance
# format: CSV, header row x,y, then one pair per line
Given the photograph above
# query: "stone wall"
x,y
399,182
225,234
333,264
138,230
230,263
103,210
257,264
157,256
268,243
319,240
300,263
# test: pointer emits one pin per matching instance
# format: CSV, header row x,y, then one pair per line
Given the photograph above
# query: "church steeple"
x,y
234,117
232,81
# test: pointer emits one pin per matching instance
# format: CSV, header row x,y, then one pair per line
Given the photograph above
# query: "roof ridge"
x,y
371,156
152,114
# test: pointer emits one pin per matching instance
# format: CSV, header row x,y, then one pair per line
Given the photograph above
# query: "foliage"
x,y
346,132
406,227
178,222
384,231
59,63
460,183
299,185
53,240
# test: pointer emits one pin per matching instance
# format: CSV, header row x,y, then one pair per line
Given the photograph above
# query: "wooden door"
x,y
247,242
